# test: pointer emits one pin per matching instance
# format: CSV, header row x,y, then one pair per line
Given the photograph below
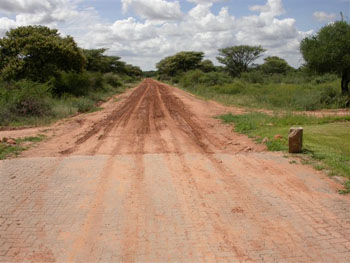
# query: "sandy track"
x,y
154,178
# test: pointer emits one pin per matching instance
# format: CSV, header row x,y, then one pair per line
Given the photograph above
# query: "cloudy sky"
x,y
144,31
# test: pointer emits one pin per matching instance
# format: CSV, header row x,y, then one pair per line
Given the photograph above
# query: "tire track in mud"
x,y
119,115
173,110
95,216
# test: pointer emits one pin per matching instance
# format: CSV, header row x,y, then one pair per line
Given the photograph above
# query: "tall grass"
x,y
256,90
30,103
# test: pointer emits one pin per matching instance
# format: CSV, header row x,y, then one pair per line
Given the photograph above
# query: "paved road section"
x,y
154,178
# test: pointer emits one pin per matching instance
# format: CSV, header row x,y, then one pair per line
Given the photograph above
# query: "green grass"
x,y
273,96
7,150
326,140
58,107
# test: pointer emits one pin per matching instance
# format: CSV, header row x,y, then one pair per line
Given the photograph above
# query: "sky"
x,y
143,32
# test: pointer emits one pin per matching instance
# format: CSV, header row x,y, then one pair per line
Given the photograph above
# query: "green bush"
x,y
236,87
112,79
96,81
198,77
255,76
83,104
77,84
22,99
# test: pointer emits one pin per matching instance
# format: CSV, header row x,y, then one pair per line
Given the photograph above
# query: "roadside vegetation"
x,y
321,83
13,147
326,140
45,77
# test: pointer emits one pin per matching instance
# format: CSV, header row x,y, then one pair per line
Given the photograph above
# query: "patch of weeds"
x,y
275,145
38,138
319,167
9,150
95,109
293,162
346,189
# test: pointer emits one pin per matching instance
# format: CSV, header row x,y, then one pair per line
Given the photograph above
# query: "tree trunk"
x,y
345,82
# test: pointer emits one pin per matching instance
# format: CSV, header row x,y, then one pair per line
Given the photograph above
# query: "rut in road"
x,y
154,178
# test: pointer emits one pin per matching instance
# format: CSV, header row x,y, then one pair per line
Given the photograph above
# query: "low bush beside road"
x,y
30,103
286,92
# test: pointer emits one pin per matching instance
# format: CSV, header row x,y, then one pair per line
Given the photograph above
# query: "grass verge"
x,y
326,140
22,144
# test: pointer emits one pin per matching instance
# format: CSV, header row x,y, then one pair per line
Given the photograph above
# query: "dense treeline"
x,y
274,83
46,76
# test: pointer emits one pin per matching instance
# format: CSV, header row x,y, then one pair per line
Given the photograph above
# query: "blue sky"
x,y
144,31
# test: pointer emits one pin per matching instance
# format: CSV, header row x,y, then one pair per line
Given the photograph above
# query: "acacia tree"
x,y
329,51
180,62
207,65
274,65
238,58
38,53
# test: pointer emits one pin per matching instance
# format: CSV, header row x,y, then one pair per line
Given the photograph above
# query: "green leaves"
x,y
181,62
275,65
238,58
329,49
38,53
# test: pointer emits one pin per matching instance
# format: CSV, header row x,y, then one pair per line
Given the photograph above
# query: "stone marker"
x,y
295,139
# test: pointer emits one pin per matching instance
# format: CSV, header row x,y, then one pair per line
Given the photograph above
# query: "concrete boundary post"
x,y
295,139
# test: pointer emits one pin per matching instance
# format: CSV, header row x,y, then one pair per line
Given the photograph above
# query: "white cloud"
x,y
6,24
154,9
165,30
324,17
271,9
205,1
26,6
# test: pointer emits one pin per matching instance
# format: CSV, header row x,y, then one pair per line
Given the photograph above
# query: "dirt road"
x,y
154,178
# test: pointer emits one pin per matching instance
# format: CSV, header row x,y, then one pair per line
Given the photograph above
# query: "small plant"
x,y
346,188
83,105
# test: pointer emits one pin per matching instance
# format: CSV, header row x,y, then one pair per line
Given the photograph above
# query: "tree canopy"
x,y
99,62
238,58
207,66
329,51
275,65
38,53
180,62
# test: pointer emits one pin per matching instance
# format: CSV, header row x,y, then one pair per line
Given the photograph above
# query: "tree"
x,y
97,61
207,66
38,53
180,62
329,51
275,65
238,58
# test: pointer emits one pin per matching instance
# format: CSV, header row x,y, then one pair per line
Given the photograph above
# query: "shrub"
x,y
255,76
236,87
95,81
112,79
198,77
83,104
24,98
77,84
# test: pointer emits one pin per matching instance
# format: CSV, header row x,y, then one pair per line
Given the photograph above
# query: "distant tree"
x,y
329,51
180,62
99,62
275,65
38,53
133,71
207,66
238,58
